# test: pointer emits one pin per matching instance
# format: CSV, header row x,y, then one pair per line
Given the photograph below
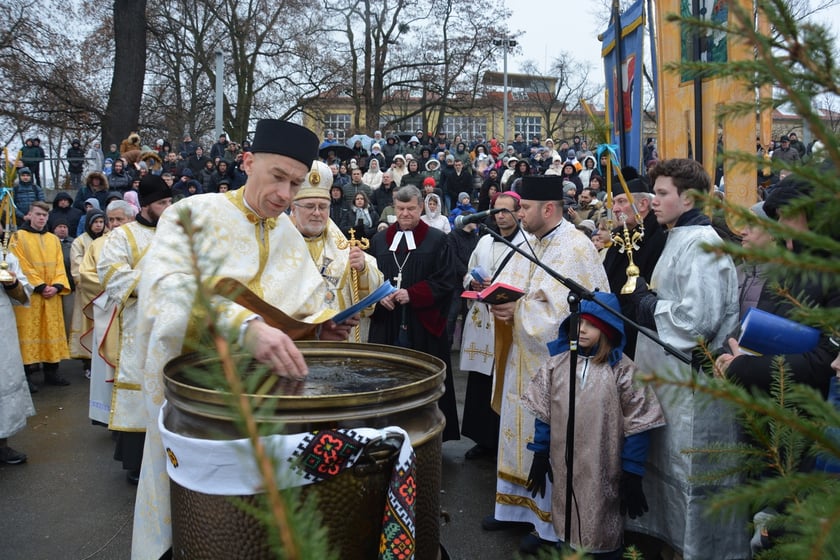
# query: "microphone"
x,y
461,221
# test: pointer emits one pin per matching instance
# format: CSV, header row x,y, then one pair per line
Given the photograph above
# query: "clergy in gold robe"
x,y
103,337
95,227
99,314
523,329
43,338
349,273
119,270
245,236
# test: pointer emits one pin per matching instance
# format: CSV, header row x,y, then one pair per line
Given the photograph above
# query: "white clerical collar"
x,y
409,240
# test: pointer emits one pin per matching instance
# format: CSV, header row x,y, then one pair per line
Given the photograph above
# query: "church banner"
x,y
684,108
623,68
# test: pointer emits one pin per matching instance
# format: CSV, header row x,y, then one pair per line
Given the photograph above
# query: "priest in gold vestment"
x,y
245,236
349,273
523,328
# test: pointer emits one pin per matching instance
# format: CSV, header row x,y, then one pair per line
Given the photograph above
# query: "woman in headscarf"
x,y
373,176
433,216
132,198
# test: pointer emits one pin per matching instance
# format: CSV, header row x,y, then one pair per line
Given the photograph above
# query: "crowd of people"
x,y
119,298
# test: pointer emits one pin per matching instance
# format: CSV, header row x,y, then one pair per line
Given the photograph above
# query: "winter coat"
x,y
457,211
461,246
69,215
382,197
32,157
389,150
434,218
181,189
25,193
120,182
197,164
205,177
364,222
87,191
340,213
75,159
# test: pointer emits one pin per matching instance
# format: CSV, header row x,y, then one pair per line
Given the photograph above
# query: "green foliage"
x,y
783,432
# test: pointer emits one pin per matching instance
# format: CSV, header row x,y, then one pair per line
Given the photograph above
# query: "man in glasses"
x,y
329,249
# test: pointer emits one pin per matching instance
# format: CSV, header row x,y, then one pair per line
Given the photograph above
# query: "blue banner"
x,y
624,82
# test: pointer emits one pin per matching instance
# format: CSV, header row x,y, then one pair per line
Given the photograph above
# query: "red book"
x,y
495,294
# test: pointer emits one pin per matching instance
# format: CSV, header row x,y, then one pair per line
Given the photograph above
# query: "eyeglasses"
x,y
313,207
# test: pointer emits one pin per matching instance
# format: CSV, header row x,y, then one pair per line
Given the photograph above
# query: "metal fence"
x,y
53,174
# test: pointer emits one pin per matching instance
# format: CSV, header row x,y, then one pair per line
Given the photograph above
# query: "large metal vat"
x,y
349,386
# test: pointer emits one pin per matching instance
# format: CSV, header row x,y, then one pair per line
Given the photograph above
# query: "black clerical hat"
x,y
286,139
637,185
541,187
152,188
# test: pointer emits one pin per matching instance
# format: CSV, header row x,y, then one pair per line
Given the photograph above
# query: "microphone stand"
x,y
577,292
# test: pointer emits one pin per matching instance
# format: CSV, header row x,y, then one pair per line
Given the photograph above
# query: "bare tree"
x,y
271,66
397,50
558,94
182,45
122,115
40,85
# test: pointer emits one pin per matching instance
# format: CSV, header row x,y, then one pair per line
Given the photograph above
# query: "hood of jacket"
x,y
103,179
90,217
61,196
589,307
432,215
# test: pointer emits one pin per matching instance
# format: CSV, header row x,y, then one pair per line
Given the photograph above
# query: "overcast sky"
x,y
546,30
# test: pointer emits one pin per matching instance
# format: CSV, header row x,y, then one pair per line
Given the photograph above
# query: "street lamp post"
x,y
220,69
505,43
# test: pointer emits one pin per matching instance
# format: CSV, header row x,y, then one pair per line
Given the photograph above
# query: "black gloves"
x,y
645,302
631,496
540,467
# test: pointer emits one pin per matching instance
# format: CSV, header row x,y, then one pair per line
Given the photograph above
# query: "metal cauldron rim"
x,y
410,358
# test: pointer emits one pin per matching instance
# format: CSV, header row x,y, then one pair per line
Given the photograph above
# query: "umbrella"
x,y
404,136
367,141
343,153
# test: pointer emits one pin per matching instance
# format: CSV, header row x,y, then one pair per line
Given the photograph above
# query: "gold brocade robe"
x,y
41,325
105,350
333,262
79,323
269,256
119,268
536,322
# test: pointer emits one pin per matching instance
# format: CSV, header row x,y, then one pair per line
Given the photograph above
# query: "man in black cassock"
x,y
645,257
416,259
